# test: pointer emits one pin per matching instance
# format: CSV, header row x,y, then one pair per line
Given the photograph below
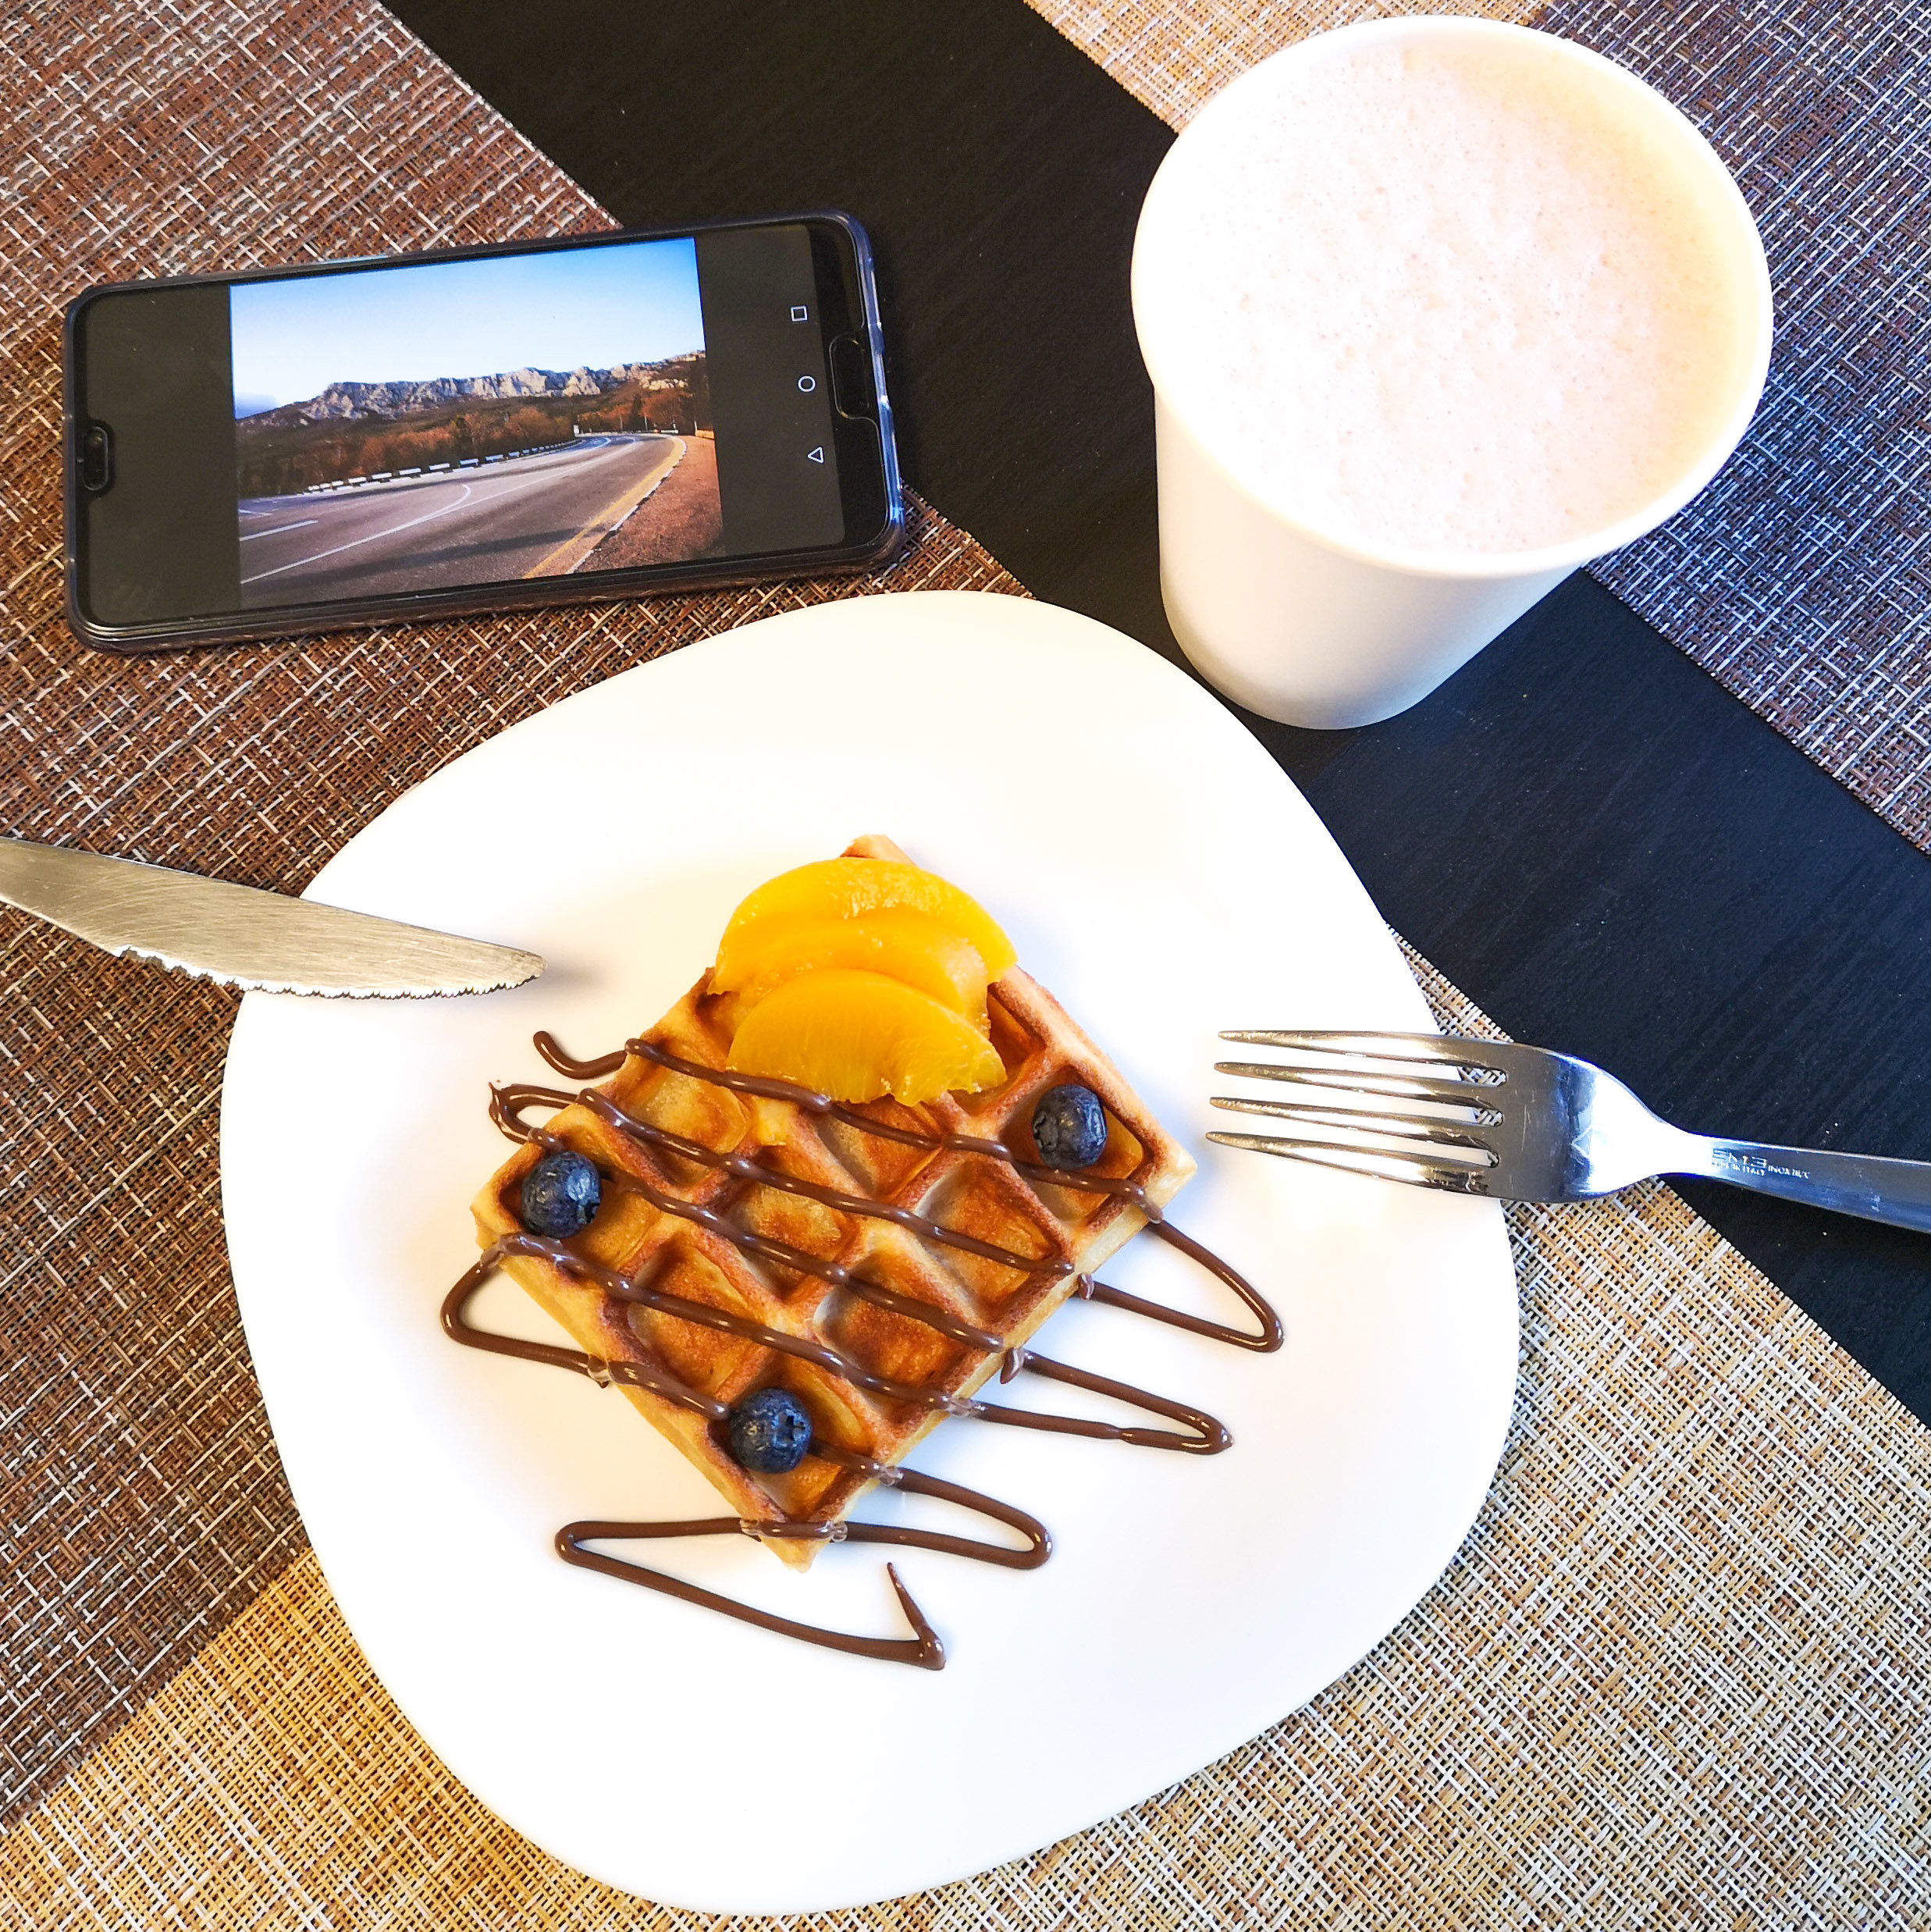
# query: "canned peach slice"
x,y
912,948
858,1035
850,888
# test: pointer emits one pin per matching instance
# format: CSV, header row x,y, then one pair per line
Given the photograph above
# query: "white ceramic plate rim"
x,y
609,1724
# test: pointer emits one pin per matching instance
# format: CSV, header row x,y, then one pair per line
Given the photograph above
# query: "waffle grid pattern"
x,y
1062,1232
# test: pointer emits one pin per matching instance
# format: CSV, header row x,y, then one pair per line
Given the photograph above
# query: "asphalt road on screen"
x,y
483,525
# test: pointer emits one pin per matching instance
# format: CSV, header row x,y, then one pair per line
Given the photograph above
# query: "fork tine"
x,y
1411,1168
1440,1133
1426,1048
1346,1079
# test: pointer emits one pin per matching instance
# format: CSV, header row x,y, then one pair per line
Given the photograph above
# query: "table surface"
x,y
1674,820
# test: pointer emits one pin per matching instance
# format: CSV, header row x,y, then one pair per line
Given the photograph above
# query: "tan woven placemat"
x,y
1674,1678
1174,55
1801,579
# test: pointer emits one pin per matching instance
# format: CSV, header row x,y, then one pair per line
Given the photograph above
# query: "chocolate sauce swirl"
x,y
1201,1433
1269,1335
506,1109
925,1650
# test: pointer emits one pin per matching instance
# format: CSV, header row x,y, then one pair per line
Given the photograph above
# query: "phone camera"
x,y
97,458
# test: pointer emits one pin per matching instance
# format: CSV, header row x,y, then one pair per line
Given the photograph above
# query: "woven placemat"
x,y
141,1502
1674,1677
1801,579
1174,55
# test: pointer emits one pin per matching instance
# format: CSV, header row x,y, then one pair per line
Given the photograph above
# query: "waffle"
x,y
971,1193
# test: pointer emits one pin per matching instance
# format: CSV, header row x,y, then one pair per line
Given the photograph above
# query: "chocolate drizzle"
x,y
925,1650
458,1326
1267,1338
1200,1434
1265,1341
1203,1435
506,1104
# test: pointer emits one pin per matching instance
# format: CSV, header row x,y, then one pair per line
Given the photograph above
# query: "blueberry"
x,y
1069,1127
560,1194
770,1431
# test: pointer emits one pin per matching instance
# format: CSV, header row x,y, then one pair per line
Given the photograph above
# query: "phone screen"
x,y
372,432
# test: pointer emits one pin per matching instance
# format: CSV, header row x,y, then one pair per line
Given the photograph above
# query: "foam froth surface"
x,y
1446,298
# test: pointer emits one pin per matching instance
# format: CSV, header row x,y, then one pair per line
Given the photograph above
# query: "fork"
x,y
1521,1123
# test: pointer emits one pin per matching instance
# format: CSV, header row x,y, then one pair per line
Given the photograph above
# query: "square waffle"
x,y
973,1194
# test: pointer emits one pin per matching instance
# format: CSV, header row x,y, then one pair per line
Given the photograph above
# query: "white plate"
x,y
1156,870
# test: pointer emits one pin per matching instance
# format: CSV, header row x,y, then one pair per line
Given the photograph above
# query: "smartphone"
x,y
415,435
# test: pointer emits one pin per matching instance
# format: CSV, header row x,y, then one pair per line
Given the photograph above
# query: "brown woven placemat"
x,y
1801,579
1674,1676
140,1500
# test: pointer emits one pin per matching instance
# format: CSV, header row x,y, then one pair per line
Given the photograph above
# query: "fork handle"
x,y
1873,1186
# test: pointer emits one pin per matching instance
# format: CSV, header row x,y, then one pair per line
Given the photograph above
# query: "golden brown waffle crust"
x,y
974,1194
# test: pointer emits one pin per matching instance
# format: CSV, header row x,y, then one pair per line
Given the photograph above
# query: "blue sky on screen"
x,y
631,302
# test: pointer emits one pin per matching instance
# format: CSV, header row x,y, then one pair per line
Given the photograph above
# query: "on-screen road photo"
x,y
538,515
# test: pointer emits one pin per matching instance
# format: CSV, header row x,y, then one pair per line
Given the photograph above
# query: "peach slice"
x,y
847,888
912,948
857,1035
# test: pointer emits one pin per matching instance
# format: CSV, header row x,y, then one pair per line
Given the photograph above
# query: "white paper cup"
x,y
1307,625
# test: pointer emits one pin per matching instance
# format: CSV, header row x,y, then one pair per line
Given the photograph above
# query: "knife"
x,y
240,937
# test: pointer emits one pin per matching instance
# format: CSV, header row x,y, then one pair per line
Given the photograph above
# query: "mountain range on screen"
x,y
349,402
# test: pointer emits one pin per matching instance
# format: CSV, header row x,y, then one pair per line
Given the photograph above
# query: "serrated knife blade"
x,y
261,941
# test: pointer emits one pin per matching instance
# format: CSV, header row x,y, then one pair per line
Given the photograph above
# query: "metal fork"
x,y
1521,1123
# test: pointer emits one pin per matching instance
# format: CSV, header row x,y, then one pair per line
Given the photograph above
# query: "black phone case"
x,y
410,607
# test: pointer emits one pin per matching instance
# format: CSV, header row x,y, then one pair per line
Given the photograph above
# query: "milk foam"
x,y
1444,298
